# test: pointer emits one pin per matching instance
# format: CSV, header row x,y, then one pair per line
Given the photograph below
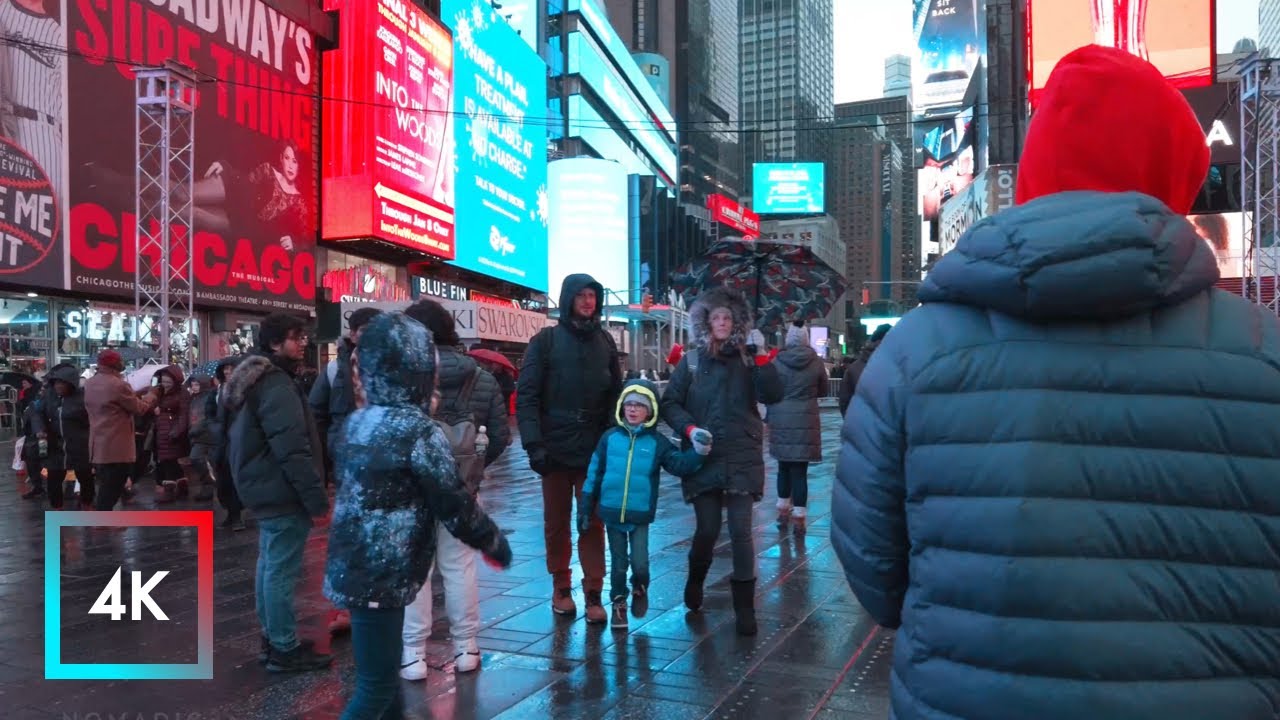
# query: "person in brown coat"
x,y
172,427
112,405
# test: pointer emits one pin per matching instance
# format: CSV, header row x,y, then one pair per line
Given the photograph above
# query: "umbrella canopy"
x,y
140,379
784,281
493,357
14,379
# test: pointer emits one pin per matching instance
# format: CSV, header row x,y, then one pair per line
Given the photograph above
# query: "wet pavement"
x,y
818,655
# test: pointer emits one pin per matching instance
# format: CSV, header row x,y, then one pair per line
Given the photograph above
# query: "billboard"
x,y
1225,234
1219,117
255,191
788,188
500,103
951,42
588,232
388,130
730,213
587,60
1174,35
948,164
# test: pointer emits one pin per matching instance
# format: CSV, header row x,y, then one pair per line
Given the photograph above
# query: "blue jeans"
x,y
280,543
637,541
375,643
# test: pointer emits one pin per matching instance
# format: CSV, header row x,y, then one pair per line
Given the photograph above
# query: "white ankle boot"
x,y
466,657
413,666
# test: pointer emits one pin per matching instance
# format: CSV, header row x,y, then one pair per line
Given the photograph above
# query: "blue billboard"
x,y
500,105
788,188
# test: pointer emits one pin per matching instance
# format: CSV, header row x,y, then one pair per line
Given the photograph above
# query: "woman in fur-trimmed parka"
x,y
716,388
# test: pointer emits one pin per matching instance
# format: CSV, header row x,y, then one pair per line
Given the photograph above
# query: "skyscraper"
x,y
700,39
894,115
788,86
1269,28
897,76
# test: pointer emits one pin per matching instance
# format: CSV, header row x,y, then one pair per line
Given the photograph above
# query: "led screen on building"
x,y
788,188
1225,234
588,228
500,130
1174,35
254,194
948,164
951,42
388,130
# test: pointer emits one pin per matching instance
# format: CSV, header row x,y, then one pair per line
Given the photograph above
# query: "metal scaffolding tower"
x,y
1260,173
164,282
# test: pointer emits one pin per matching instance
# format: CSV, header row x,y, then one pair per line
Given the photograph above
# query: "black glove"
x,y
584,522
499,555
537,458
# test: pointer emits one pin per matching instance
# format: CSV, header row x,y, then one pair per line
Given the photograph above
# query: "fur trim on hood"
x,y
708,301
247,374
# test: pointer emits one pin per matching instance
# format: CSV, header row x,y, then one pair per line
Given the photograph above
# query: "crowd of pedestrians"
x,y
1059,470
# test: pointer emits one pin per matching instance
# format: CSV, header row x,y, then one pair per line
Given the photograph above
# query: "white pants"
x,y
456,562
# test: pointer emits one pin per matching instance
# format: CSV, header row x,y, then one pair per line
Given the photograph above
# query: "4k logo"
x,y
109,602
128,595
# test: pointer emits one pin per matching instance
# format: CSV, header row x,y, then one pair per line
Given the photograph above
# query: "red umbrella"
x,y
493,358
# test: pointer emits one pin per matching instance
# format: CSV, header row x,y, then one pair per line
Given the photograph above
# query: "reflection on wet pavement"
x,y
818,655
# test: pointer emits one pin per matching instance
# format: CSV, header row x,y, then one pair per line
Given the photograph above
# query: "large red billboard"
x,y
1174,35
388,131
255,190
734,215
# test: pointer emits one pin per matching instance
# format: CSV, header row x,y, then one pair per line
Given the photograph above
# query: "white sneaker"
x,y
466,662
413,668
467,657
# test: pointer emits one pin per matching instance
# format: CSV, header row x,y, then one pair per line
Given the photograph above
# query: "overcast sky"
x,y
860,64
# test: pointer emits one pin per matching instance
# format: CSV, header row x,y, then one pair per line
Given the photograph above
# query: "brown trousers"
x,y
560,489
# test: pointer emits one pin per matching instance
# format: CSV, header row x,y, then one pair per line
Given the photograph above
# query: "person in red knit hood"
x,y
1058,475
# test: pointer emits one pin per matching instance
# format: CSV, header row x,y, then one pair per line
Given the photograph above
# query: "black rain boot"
x,y
744,605
693,586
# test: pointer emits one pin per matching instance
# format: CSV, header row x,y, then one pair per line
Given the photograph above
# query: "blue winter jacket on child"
x,y
622,479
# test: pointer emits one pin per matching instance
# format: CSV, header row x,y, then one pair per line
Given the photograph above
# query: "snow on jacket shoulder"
x,y
1059,476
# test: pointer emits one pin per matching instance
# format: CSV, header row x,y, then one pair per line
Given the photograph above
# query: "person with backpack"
x,y
469,398
622,483
569,384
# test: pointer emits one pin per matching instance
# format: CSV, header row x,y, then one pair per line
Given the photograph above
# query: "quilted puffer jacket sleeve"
x,y
869,526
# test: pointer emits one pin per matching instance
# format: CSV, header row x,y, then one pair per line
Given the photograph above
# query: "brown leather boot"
x,y
562,602
596,614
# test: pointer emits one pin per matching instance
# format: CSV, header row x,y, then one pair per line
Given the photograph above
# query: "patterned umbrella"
x,y
785,282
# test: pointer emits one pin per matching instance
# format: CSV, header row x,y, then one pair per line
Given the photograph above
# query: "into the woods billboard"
x,y
67,187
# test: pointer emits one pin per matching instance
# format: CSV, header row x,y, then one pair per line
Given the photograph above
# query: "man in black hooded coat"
x,y
568,388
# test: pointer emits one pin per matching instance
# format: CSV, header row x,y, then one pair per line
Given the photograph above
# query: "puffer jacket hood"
x,y
172,371
574,284
397,362
248,372
1153,142
707,302
1076,256
648,390
63,373
797,357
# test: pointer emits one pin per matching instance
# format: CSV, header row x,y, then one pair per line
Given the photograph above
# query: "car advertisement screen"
x,y
500,127
588,231
951,40
1174,35
388,131
788,188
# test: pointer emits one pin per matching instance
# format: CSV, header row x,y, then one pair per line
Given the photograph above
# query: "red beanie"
x,y
110,359
1108,121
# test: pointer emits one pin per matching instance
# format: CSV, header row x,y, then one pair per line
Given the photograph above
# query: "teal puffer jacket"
x,y
623,477
1061,476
